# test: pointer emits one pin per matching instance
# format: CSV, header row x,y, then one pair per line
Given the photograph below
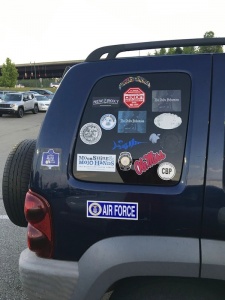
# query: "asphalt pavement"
x,y
13,238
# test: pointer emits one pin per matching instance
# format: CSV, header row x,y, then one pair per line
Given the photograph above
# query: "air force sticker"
x,y
112,210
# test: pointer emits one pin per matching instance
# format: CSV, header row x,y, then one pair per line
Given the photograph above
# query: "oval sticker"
x,y
167,121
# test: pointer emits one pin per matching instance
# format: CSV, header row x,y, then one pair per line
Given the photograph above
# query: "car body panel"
x,y
158,206
179,228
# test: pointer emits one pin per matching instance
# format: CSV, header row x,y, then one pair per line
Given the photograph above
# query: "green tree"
x,y
192,49
162,51
210,49
189,50
9,74
171,51
178,50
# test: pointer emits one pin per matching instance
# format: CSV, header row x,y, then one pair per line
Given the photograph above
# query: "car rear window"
x,y
133,130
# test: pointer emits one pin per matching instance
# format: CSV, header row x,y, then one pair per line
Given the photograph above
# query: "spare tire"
x,y
15,182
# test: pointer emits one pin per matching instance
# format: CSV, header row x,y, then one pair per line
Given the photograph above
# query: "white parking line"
x,y
4,217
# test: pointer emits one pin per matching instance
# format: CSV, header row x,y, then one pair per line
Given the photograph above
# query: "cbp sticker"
x,y
166,171
112,210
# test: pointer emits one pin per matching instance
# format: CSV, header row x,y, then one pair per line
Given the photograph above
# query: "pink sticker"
x,y
147,161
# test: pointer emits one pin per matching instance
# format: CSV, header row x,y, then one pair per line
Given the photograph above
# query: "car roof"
x,y
36,90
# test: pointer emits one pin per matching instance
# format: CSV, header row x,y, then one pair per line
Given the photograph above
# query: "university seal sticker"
x,y
90,133
108,121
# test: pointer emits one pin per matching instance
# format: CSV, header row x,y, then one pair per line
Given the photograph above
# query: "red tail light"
x,y
38,214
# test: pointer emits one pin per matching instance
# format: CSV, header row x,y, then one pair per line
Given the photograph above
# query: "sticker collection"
x,y
127,116
131,118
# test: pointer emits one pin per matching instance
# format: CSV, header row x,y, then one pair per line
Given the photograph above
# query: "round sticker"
x,y
95,209
90,133
108,121
166,171
171,142
125,161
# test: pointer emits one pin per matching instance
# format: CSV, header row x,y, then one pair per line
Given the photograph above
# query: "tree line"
x,y
9,72
192,49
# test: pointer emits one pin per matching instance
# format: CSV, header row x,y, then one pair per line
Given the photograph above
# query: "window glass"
x,y
133,130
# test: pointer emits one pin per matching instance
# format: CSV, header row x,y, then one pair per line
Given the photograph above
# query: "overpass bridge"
x,y
44,70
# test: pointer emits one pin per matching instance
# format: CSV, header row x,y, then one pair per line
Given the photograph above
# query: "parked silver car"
x,y
18,103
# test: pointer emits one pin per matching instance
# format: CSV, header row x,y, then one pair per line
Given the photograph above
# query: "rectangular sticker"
x,y
50,159
132,121
112,210
96,162
105,101
166,100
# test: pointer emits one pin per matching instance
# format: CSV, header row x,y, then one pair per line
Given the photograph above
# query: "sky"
x,y
62,30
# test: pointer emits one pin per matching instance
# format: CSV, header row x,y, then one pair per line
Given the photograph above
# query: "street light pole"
x,y
35,75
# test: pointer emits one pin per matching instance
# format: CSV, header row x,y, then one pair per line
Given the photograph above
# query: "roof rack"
x,y
113,50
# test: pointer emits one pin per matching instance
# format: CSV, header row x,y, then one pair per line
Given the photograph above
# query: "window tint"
x,y
12,97
133,130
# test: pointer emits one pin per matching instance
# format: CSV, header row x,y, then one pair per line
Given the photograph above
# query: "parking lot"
x,y
13,238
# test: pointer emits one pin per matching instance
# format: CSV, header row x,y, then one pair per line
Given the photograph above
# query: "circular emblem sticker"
x,y
171,142
108,121
95,209
166,171
90,133
125,161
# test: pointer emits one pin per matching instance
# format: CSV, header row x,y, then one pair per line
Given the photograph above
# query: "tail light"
x,y
38,214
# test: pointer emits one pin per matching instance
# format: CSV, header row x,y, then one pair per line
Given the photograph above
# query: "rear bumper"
x,y
47,278
106,262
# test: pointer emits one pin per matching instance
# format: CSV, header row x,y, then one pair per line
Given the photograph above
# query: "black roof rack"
x,y
113,50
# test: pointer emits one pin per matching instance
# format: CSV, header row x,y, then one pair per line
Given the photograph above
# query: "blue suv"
x,y
126,180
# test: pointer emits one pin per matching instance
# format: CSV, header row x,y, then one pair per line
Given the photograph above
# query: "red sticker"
x,y
148,160
134,98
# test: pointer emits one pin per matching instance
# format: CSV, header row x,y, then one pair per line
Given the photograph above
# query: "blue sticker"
x,y
50,159
132,121
112,210
124,146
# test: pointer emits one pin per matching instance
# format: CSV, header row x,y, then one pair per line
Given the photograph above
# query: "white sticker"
x,y
125,161
166,171
96,162
90,133
167,121
154,138
108,121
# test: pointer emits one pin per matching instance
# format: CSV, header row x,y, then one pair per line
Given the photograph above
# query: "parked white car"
x,y
54,85
43,102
